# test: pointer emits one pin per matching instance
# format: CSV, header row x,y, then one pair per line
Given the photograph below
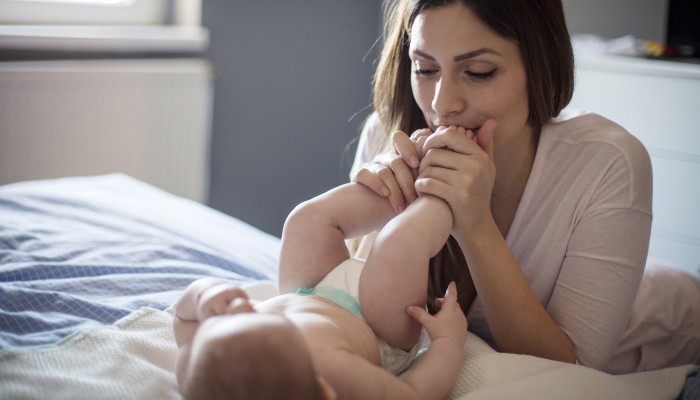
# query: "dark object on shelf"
x,y
683,29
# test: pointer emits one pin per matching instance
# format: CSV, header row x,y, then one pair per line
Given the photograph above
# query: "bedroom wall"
x,y
644,19
289,76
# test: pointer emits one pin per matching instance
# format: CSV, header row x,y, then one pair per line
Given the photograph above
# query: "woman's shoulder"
x,y
370,143
580,126
579,129
590,146
372,128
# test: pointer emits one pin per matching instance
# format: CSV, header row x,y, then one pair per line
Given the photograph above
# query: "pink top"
x,y
581,231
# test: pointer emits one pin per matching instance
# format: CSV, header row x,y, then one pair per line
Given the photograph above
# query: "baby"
x,y
341,328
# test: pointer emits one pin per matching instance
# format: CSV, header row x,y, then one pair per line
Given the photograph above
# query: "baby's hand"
x,y
221,299
449,323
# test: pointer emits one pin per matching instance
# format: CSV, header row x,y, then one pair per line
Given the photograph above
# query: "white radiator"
x,y
150,119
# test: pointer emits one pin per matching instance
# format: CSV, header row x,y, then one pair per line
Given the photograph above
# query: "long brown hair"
x,y
537,27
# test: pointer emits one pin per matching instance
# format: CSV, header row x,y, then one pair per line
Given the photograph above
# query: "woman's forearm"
x,y
517,320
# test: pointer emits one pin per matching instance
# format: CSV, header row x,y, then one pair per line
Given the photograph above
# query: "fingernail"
x,y
415,163
384,190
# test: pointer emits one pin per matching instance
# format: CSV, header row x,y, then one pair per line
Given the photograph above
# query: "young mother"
x,y
552,212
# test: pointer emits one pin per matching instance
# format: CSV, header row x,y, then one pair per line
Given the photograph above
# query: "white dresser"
x,y
659,102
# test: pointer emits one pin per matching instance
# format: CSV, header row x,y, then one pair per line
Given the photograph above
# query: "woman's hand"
x,y
393,174
458,167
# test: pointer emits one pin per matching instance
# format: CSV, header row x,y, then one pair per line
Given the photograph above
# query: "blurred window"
x,y
84,12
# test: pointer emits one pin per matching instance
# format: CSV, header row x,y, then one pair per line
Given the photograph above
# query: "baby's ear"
x,y
326,390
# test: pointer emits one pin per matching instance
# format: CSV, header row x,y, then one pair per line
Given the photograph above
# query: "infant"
x,y
342,328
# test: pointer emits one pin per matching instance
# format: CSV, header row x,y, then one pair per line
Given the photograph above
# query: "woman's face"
x,y
463,73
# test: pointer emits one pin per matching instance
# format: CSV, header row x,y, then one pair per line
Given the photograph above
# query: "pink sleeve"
x,y
664,329
596,288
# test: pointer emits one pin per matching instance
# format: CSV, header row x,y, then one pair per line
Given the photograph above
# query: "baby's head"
x,y
251,356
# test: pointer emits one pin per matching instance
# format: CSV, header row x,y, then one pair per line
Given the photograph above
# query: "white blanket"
x,y
135,359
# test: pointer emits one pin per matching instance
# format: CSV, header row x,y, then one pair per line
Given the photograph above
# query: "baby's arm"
x,y
202,299
396,273
313,239
439,369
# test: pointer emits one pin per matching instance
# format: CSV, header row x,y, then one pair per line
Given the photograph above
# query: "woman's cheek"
x,y
422,93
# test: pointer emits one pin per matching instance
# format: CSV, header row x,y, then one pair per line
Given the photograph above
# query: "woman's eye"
x,y
424,72
481,76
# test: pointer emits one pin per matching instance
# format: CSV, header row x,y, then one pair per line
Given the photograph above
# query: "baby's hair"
x,y
273,363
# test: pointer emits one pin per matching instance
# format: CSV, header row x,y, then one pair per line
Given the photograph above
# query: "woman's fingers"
x,y
485,137
437,186
393,174
406,148
418,138
368,177
389,176
457,169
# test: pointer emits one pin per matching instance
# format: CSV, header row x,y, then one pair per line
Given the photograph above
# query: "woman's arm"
x,y
459,169
517,320
598,282
499,281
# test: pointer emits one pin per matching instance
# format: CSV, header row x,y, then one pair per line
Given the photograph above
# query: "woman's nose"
x,y
447,100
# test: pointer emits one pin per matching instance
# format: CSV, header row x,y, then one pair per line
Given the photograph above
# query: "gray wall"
x,y
289,77
644,19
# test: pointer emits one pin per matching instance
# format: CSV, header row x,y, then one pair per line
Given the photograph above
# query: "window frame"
x,y
83,12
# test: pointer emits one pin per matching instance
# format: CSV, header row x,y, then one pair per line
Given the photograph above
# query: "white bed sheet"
x,y
85,252
134,356
135,359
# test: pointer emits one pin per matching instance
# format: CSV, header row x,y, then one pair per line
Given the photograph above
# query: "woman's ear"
x,y
326,390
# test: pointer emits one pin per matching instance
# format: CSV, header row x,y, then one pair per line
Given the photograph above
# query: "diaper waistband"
x,y
337,296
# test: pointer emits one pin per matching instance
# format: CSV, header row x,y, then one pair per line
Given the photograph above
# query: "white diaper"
x,y
344,280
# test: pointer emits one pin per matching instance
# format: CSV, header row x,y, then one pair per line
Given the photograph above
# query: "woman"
x,y
552,212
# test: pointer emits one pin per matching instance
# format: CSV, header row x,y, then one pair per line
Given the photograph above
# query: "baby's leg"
x,y
396,273
313,240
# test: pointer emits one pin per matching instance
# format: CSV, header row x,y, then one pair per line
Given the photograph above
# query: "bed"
x,y
91,266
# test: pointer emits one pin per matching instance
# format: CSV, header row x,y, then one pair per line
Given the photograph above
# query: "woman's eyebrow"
x,y
475,53
460,57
